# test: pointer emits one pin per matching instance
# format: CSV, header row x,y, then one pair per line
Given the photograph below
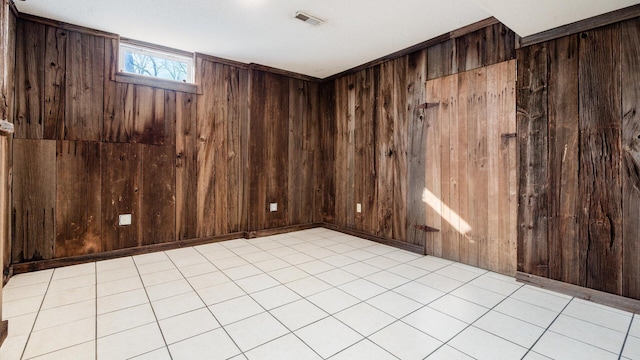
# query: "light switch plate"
x,y
359,207
273,207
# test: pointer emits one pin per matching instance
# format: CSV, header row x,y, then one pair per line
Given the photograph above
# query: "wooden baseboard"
x,y
4,330
280,230
418,249
615,301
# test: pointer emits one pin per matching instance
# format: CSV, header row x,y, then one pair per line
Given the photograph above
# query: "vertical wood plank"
x,y
630,48
29,82
234,174
600,220
54,82
350,144
327,171
512,157
566,262
462,141
158,200
186,166
443,59
448,160
477,135
432,194
384,143
34,199
400,153
416,113
296,118
78,198
121,184
496,168
469,49
258,187
533,145
84,80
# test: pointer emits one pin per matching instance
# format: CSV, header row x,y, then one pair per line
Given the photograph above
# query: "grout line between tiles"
x,y
24,349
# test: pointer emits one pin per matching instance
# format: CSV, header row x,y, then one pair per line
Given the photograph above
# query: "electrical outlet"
x,y
359,207
273,207
124,219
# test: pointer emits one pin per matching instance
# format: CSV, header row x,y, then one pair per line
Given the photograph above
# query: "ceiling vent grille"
x,y
310,19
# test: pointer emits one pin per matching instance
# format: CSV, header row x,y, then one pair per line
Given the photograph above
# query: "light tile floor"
x,y
315,294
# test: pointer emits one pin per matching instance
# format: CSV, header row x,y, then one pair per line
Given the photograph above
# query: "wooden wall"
x,y
376,134
186,165
579,156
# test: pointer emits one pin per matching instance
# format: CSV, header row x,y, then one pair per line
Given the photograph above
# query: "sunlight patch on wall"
x,y
446,212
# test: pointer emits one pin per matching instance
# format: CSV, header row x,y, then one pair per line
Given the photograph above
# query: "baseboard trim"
x,y
280,230
599,297
418,249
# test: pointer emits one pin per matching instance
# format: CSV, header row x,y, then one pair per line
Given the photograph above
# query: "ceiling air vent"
x,y
310,19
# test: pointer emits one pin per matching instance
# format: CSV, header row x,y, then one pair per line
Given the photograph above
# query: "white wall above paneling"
x,y
266,32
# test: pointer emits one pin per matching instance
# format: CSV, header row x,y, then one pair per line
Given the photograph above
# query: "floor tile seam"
x,y
164,340
95,294
495,292
56,350
472,324
624,343
599,325
28,298
546,329
366,339
24,349
210,311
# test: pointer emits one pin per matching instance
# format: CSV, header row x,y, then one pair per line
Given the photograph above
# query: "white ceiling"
x,y
265,31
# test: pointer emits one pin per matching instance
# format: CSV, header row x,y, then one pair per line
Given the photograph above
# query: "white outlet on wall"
x,y
359,207
124,219
273,207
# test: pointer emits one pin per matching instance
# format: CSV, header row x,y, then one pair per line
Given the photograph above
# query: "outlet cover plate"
x,y
124,219
359,207
273,207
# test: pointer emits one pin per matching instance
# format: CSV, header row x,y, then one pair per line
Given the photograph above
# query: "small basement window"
x,y
141,60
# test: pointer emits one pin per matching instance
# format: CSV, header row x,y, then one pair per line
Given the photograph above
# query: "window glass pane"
x,y
147,62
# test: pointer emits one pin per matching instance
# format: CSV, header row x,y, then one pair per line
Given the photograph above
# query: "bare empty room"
x,y
344,180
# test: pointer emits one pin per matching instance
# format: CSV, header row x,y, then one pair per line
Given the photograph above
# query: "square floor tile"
x,y
430,263
361,269
36,277
288,274
206,280
161,277
187,325
364,350
60,337
478,295
163,291
275,296
65,314
155,267
387,279
558,346
632,348
197,269
483,345
488,282
121,301
150,258
381,262
119,286
359,254
71,283
297,258
176,305
115,264
288,347
402,256
21,325
219,293
308,286
256,283
333,300
394,304
24,292
440,282
272,264
298,314
117,274
255,331
434,323
12,347
540,298
236,309
21,307
130,343
336,277
527,312
228,262
597,314
364,318
213,345
419,292
362,289
242,271
85,351
408,271
66,272
510,328
338,260
328,336
457,273
159,354
405,342
458,308
315,267
259,256
589,333
125,319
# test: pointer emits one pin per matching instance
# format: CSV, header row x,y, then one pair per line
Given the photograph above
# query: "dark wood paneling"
x,y
158,200
186,166
78,198
566,261
600,216
84,87
326,173
371,167
416,147
34,199
630,36
532,130
54,82
400,149
443,59
30,54
121,184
